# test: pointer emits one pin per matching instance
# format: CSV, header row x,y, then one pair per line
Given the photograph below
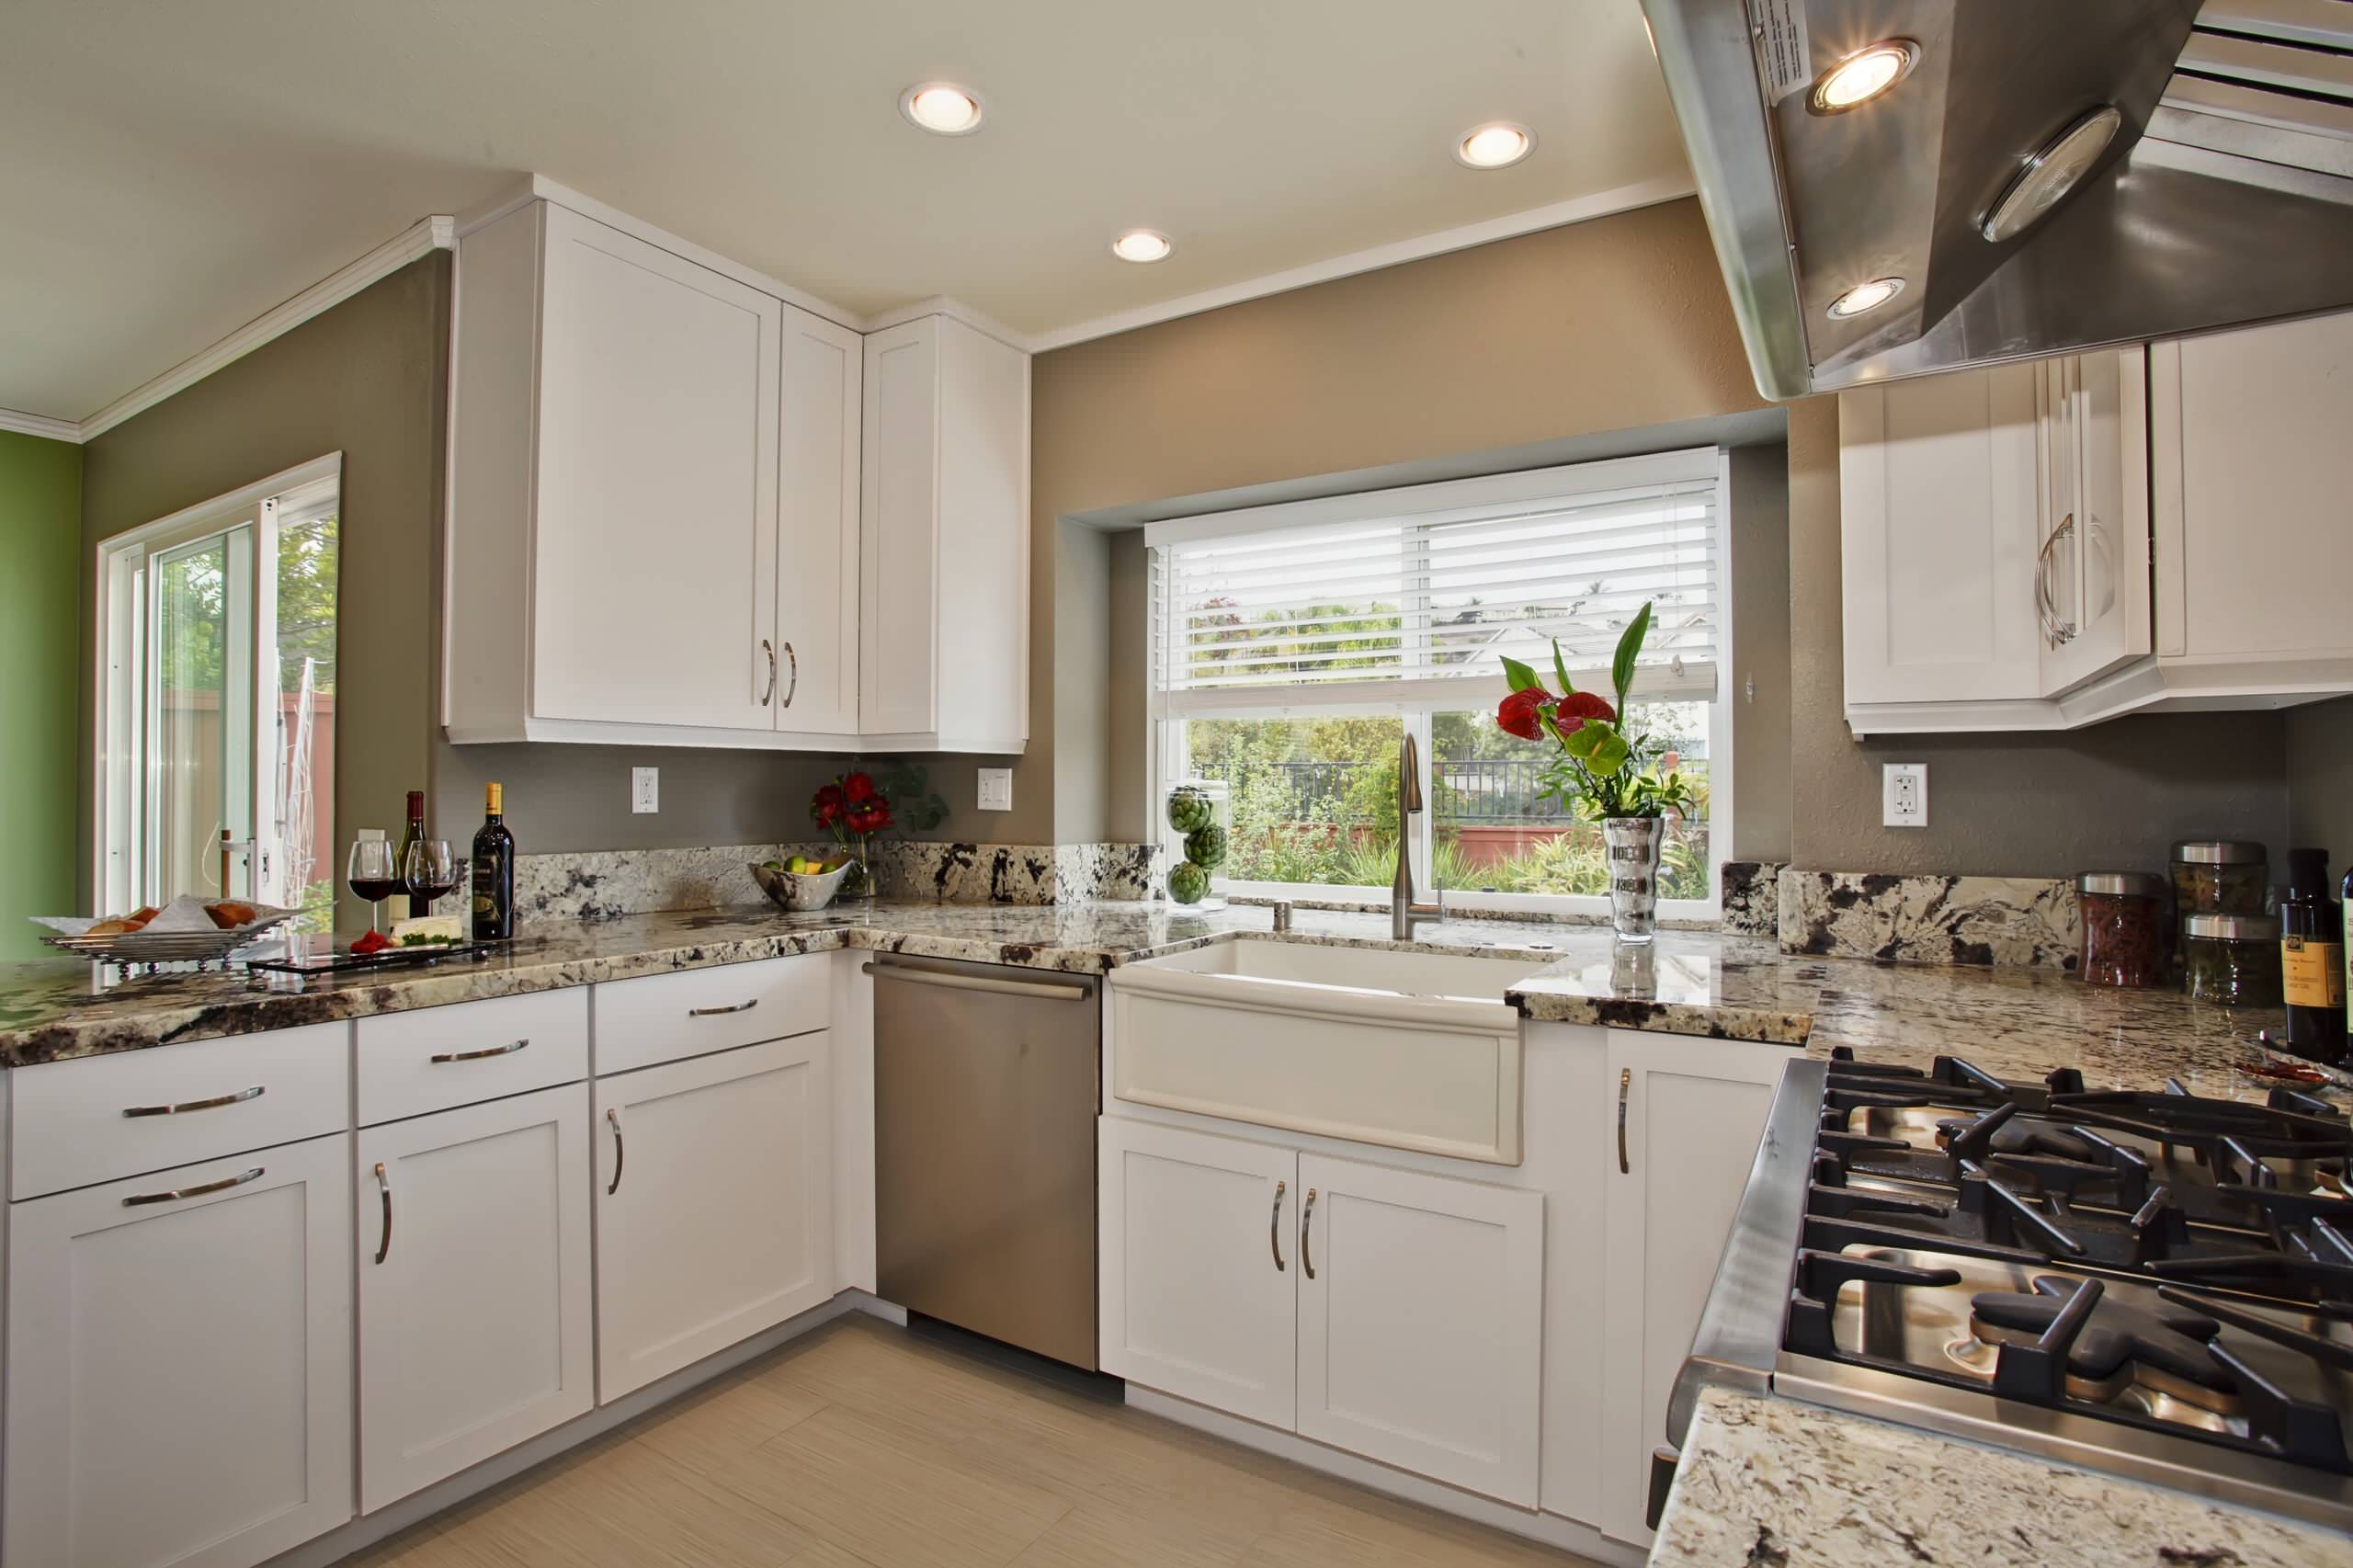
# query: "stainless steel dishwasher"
x,y
986,1092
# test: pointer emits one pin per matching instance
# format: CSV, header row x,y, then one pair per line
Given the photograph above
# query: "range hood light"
x,y
1864,296
1863,76
2051,174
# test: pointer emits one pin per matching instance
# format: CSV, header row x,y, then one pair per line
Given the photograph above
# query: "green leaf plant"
x,y
1601,766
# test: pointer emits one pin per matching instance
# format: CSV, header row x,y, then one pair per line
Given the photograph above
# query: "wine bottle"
x,y
493,874
405,906
2312,959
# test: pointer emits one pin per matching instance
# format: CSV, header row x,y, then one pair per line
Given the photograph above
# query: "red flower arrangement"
x,y
851,807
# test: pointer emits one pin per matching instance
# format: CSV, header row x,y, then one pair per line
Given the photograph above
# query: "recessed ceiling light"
x,y
942,107
1141,244
1496,146
2051,173
1863,76
1865,297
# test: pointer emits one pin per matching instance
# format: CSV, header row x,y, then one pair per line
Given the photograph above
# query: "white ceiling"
x,y
175,169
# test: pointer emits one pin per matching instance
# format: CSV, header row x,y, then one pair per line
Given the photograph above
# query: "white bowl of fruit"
x,y
802,884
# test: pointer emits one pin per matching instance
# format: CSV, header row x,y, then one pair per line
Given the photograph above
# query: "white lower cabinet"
x,y
180,1364
474,1302
1684,1129
1196,1244
1400,1318
1421,1308
715,1204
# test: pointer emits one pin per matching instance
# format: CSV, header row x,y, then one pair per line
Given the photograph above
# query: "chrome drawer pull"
x,y
384,1247
769,649
223,1185
795,687
714,1012
186,1106
507,1049
1306,1232
1275,1227
620,1150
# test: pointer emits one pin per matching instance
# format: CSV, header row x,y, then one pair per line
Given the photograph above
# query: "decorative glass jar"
x,y
2231,958
2221,876
2123,915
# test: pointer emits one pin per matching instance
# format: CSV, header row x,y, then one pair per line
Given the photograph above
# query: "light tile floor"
x,y
865,1446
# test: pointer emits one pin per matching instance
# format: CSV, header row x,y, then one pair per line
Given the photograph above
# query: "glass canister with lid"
x,y
2231,958
2124,917
2220,877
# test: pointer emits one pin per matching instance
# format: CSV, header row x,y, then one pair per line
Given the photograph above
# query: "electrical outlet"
x,y
644,789
1904,794
996,788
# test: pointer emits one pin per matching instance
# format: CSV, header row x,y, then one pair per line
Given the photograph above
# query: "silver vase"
x,y
1632,846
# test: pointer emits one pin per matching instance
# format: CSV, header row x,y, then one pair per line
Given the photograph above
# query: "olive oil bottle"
x,y
2312,959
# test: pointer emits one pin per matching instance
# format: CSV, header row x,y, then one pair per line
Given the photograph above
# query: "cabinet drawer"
x,y
101,1117
667,1018
438,1058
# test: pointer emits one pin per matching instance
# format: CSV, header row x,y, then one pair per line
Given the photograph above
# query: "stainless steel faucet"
x,y
1404,913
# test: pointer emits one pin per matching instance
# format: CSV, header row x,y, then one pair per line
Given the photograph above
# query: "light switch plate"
x,y
644,789
996,788
1904,794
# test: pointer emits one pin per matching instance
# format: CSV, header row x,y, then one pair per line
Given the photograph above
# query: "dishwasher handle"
x,y
1043,990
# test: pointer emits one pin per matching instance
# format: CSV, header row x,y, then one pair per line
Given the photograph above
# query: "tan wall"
x,y
2320,777
1758,675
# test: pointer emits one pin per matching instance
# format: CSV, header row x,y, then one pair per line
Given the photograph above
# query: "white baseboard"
x,y
1550,1529
395,1517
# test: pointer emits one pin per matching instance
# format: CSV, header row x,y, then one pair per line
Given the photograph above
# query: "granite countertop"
x,y
2014,1022
1773,1480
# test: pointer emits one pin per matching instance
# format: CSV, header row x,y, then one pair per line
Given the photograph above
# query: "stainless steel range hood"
x,y
2225,197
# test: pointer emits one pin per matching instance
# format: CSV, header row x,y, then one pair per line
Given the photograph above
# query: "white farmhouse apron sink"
x,y
1400,1047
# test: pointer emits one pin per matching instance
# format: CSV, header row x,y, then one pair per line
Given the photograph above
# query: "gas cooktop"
x,y
2154,1284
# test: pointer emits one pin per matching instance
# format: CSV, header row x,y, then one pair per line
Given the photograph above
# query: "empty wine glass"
x,y
372,874
430,870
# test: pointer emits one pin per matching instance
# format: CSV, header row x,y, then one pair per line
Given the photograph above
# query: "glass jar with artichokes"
x,y
1192,811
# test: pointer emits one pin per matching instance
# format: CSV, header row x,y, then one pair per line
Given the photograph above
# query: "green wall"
x,y
41,618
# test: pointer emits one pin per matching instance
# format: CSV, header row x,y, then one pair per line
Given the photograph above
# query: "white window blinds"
x,y
1413,597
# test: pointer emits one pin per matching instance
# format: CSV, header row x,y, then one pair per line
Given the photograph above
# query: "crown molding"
x,y
421,238
1600,204
39,424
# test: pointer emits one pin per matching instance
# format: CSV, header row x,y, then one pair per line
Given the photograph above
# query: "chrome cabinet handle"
x,y
1625,1082
794,660
223,1185
1275,1227
509,1049
769,649
1306,1235
620,1150
186,1106
384,1184
2056,632
714,1012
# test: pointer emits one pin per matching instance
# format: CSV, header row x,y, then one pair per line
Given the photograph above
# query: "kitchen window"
x,y
216,687
1292,646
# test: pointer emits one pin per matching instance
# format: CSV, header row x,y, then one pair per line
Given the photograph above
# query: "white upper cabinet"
x,y
2044,546
685,511
2253,478
945,644
1939,524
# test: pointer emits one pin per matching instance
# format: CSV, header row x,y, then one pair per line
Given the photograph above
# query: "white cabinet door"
x,y
2252,469
179,1364
2092,574
1198,1237
714,1205
1937,505
816,566
1684,1129
653,550
1421,1306
898,575
474,1285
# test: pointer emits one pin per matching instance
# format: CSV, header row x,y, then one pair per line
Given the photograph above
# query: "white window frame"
x,y
120,871
1416,701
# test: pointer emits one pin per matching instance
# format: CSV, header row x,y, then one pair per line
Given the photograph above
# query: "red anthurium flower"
x,y
1519,713
1576,708
868,816
859,787
828,804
